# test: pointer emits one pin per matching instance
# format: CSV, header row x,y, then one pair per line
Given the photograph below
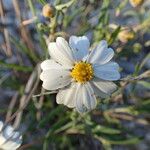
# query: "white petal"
x,y
80,45
54,79
67,96
78,99
59,54
63,45
85,98
102,54
10,139
50,64
8,132
1,125
107,71
104,86
2,139
11,145
89,99
97,91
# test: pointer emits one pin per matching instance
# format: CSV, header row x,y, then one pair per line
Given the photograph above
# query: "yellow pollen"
x,y
82,72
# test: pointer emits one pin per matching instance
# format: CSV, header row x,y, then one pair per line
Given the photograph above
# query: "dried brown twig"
x,y
30,88
7,49
131,79
24,32
28,92
11,106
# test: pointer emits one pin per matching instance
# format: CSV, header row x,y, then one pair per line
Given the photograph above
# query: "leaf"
x,y
144,83
50,116
114,35
68,19
144,107
22,48
66,5
125,141
43,2
58,125
63,128
118,141
15,67
121,6
104,129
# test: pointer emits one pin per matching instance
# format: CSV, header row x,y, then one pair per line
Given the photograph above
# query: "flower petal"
x,y
79,101
89,98
85,99
67,95
2,139
54,79
9,139
61,52
80,46
107,71
50,64
8,132
11,145
101,55
1,125
104,86
98,92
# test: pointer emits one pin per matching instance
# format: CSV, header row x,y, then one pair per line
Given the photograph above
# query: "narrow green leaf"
x,y
144,83
22,48
66,5
125,141
43,2
15,67
50,116
114,35
104,129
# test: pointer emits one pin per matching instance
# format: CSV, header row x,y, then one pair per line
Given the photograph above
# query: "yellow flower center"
x,y
82,72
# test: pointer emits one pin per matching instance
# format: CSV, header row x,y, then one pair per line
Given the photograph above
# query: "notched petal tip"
x,y
45,86
43,64
51,46
118,76
41,76
60,40
82,109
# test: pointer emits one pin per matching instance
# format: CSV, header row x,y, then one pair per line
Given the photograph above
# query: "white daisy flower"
x,y
78,74
9,139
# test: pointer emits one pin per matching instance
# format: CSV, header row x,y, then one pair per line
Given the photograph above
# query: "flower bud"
x,y
136,3
125,35
48,11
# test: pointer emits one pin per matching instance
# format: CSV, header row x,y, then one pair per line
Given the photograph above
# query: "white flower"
x,y
9,139
79,74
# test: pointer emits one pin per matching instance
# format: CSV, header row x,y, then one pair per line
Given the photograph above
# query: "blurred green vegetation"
x,y
51,126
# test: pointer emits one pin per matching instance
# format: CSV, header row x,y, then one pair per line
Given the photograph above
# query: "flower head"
x,y
48,11
136,3
78,74
126,35
9,139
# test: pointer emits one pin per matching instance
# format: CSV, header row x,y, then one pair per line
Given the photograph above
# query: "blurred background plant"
x,y
120,122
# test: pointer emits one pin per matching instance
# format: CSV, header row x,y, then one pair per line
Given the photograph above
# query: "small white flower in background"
x,y
79,74
9,139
